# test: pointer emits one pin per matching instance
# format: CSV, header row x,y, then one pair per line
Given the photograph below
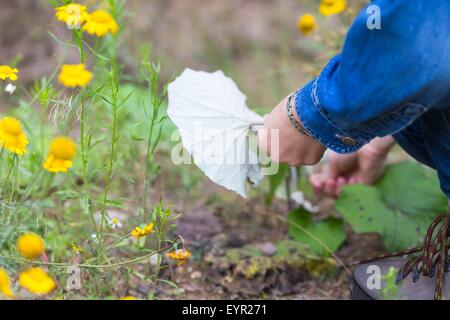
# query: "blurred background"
x,y
254,41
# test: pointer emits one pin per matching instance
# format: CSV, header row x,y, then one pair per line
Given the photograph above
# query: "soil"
x,y
247,254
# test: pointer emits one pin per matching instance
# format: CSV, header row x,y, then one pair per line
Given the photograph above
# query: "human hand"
x,y
364,166
291,147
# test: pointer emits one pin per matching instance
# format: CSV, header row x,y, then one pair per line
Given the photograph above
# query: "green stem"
x,y
48,183
1,160
8,175
114,105
82,137
156,101
79,39
84,148
160,241
110,248
148,166
16,167
98,266
30,187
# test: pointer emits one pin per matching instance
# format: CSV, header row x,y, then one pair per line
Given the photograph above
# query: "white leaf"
x,y
214,121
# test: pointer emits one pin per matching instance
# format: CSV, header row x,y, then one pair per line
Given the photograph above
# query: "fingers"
x,y
324,181
342,170
340,183
331,186
317,182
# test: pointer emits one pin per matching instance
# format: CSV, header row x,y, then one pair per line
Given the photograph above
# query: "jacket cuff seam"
x,y
329,134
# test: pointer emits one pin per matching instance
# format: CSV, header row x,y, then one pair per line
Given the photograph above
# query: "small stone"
x,y
267,248
196,275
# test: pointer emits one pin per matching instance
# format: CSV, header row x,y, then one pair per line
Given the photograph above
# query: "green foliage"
x,y
390,287
85,215
275,181
399,207
322,236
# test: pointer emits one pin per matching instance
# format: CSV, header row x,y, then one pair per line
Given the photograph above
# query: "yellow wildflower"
x,y
76,249
182,255
12,137
37,281
8,73
5,284
99,23
62,151
128,298
73,14
332,7
142,232
74,75
306,24
30,245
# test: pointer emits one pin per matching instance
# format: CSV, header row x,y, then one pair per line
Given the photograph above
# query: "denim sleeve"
x,y
383,79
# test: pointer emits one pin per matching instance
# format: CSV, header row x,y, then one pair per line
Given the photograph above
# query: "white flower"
x,y
299,198
115,223
10,88
113,218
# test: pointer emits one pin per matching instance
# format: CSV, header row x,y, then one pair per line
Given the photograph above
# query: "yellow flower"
x,y
128,298
99,23
12,137
36,280
8,72
331,7
5,284
62,151
142,232
74,15
306,24
182,255
74,75
76,249
30,245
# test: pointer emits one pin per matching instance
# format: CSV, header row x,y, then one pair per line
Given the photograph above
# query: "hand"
x,y
364,166
292,147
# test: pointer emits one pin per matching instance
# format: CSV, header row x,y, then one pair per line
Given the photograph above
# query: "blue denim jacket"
x,y
389,81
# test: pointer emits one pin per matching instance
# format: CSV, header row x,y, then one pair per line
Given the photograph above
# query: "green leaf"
x,y
68,194
321,236
275,181
117,203
399,207
136,138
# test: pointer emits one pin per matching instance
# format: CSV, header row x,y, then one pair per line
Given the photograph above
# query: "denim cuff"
x,y
320,126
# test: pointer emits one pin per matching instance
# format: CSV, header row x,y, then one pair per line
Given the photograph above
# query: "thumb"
x,y
262,135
